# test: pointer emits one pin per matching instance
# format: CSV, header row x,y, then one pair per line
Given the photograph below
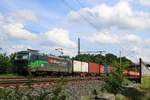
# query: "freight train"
x,y
37,63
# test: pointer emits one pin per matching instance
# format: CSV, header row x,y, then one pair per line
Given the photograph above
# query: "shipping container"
x,y
133,73
93,68
84,67
101,69
105,69
77,66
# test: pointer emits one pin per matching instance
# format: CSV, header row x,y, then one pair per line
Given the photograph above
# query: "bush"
x,y
6,63
145,83
114,81
120,97
58,92
55,93
95,93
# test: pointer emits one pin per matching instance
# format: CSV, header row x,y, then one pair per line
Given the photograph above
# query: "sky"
x,y
44,25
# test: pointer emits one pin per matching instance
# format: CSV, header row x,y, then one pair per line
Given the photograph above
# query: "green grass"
x,y
85,98
120,97
8,75
145,83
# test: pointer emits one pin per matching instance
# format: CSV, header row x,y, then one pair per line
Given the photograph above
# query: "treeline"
x,y
108,59
6,63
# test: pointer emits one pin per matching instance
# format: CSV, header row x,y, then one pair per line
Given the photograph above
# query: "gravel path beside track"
x,y
23,81
83,88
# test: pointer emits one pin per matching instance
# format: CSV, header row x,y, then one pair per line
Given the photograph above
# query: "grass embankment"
x,y
145,83
142,92
9,75
145,87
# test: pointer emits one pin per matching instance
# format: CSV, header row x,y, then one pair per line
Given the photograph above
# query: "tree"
x,y
126,62
110,58
6,62
12,58
114,81
84,57
100,59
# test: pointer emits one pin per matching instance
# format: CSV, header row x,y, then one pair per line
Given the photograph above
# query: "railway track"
x,y
23,81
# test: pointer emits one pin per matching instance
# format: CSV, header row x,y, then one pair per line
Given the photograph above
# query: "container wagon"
x,y
36,63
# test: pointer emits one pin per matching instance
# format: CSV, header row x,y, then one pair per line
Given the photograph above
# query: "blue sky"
x,y
110,25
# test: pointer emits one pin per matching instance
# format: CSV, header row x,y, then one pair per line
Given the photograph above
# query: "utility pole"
x,y
0,48
78,46
140,61
120,57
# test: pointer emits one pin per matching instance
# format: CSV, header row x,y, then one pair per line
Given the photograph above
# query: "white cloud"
x,y
15,33
147,42
131,38
11,28
142,52
1,40
16,48
24,15
17,30
55,37
104,38
1,17
119,15
138,45
70,52
145,2
91,2
60,37
107,37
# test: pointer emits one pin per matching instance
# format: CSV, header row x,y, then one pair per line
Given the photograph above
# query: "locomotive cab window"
x,y
21,56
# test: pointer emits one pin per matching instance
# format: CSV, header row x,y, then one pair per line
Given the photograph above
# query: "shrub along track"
x,y
12,82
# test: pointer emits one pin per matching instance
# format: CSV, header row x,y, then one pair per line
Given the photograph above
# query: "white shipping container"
x,y
84,67
77,66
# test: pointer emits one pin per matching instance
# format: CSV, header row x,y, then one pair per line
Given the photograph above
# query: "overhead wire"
x,y
78,1
83,17
90,14
89,22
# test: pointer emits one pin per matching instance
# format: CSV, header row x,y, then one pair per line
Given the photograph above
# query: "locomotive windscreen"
x,y
22,55
21,59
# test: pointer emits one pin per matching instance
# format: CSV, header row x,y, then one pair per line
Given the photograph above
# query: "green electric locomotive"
x,y
37,63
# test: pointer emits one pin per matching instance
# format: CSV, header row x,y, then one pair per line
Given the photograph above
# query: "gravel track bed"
x,y
75,88
82,88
